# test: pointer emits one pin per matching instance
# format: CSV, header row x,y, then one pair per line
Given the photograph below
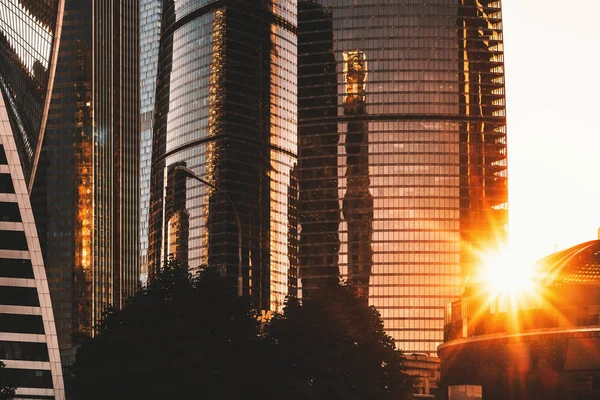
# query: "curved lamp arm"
x,y
190,174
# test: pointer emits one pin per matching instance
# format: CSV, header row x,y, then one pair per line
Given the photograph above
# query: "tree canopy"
x,y
187,334
333,346
181,334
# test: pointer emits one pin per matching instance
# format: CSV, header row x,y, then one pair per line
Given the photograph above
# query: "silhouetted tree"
x,y
7,390
333,346
189,336
181,334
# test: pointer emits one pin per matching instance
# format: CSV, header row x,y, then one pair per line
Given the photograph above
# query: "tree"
x,y
7,390
333,346
181,334
189,336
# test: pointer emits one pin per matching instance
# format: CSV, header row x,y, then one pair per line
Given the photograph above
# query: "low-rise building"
x,y
543,343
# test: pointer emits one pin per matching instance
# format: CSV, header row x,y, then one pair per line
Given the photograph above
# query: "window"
x,y
15,268
29,378
17,323
13,240
9,212
27,351
6,184
19,296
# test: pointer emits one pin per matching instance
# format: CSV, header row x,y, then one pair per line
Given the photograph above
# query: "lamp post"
x,y
190,174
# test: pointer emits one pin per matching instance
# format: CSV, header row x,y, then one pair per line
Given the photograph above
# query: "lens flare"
x,y
508,274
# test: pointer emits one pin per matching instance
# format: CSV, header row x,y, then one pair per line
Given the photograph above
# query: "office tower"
x,y
29,37
86,194
150,18
226,109
402,153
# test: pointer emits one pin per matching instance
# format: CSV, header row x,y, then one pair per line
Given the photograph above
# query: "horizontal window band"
x,y
6,184
405,117
29,378
17,323
19,296
198,13
213,138
23,351
13,240
16,268
9,212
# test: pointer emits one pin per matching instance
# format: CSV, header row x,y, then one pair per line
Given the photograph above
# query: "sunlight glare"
x,y
506,273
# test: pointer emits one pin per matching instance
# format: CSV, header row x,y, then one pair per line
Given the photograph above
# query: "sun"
x,y
507,273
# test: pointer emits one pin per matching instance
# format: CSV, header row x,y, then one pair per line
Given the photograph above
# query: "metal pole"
x,y
191,174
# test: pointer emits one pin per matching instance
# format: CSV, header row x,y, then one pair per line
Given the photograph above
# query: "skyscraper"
x,y
86,194
150,19
226,108
29,38
402,153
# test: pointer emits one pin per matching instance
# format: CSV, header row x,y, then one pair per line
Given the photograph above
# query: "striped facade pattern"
x,y
28,341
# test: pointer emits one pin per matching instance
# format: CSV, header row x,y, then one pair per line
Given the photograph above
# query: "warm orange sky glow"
x,y
552,58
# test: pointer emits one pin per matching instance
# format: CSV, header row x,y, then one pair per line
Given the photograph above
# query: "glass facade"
x,y
27,64
401,153
150,20
226,109
29,36
86,192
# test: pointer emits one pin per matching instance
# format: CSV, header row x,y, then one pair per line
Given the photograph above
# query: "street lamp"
x,y
190,174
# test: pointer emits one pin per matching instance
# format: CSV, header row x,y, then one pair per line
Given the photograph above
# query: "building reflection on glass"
x,y
357,205
150,15
318,207
226,106
178,218
417,163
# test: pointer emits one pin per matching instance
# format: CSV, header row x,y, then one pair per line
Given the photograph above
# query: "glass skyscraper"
x,y
401,153
29,38
226,109
86,192
150,19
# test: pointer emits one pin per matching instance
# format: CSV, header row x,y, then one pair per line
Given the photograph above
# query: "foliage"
x,y
181,334
333,346
7,391
186,334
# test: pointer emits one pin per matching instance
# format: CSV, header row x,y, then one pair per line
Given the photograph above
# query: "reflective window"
x,y
27,30
15,268
226,109
13,240
402,153
27,351
30,378
9,212
6,184
19,296
19,323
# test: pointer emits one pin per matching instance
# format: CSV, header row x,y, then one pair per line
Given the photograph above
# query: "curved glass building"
x,y
150,19
401,153
29,37
226,109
